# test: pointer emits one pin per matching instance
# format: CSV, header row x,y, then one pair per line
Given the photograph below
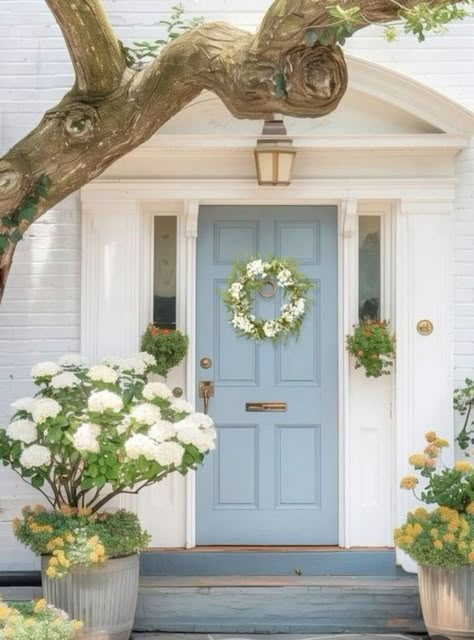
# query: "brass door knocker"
x,y
268,288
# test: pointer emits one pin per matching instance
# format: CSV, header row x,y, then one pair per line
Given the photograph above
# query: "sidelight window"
x,y
370,267
164,271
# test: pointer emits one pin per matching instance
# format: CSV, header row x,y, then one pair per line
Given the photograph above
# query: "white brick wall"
x,y
39,317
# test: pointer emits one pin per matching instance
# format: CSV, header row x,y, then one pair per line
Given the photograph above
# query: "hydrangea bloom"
x,y
189,433
65,380
23,430
169,454
154,390
141,445
23,404
201,420
179,404
44,408
102,401
102,373
71,360
147,358
85,438
45,370
146,413
35,456
162,430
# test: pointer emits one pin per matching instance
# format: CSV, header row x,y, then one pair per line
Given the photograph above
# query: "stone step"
x,y
269,562
279,604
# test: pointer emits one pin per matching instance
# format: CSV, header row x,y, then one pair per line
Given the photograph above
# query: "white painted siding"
x,y
39,317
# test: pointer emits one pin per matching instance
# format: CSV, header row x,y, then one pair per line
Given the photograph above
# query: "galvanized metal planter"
x,y
103,597
447,601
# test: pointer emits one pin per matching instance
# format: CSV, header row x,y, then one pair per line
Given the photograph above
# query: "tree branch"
x,y
111,109
94,48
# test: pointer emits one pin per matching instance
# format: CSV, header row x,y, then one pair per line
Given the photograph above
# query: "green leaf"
x,y
87,484
310,37
16,235
4,242
93,470
100,481
37,481
280,84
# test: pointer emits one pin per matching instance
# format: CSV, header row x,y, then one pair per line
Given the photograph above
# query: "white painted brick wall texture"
x,y
39,317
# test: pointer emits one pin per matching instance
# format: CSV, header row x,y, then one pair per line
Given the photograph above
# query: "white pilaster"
x,y
424,363
191,213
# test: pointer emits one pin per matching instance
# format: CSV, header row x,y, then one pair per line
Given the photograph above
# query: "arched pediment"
x,y
378,101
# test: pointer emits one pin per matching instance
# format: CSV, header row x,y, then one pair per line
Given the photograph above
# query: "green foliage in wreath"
x,y
373,347
169,348
250,278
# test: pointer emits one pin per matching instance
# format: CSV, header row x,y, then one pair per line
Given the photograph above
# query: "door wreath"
x,y
265,277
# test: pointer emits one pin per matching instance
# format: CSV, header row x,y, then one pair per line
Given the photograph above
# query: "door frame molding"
x,y
417,204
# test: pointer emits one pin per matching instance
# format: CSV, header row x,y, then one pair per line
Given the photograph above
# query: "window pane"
x,y
164,276
369,267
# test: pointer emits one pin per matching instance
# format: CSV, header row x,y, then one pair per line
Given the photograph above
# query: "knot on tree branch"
x,y
79,122
315,79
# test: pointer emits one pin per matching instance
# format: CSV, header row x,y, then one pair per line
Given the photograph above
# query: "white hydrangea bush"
x,y
90,433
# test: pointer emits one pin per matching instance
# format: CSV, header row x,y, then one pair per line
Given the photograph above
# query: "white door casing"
x,y
359,503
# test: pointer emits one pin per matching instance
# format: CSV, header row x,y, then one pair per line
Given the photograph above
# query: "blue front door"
x,y
273,478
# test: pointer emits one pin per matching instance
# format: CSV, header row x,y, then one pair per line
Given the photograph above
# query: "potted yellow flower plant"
x,y
36,621
88,435
441,539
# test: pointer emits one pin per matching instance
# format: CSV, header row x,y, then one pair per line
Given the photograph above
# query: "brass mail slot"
x,y
265,406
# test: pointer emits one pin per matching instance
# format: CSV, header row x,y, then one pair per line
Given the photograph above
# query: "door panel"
x,y
273,478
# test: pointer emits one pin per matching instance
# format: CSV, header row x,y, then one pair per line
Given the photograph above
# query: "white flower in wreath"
x,y
235,290
255,268
270,328
244,323
299,307
284,278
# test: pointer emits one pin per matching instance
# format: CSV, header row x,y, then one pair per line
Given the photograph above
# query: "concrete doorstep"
x,y
280,636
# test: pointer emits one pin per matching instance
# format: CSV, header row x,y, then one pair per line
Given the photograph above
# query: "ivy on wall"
x,y
26,212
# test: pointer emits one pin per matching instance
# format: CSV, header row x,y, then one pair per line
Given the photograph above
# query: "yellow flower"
x,y
50,571
462,546
16,524
84,511
441,443
69,537
38,508
470,509
93,556
421,512
471,557
463,466
5,611
55,542
434,533
418,460
430,436
53,562
39,605
408,482
432,450
449,537
77,624
438,544
417,529
447,514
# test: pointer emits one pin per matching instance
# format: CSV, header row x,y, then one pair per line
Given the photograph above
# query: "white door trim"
x,y
424,201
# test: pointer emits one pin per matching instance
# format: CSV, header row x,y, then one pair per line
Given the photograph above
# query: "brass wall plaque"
x,y
424,327
266,406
